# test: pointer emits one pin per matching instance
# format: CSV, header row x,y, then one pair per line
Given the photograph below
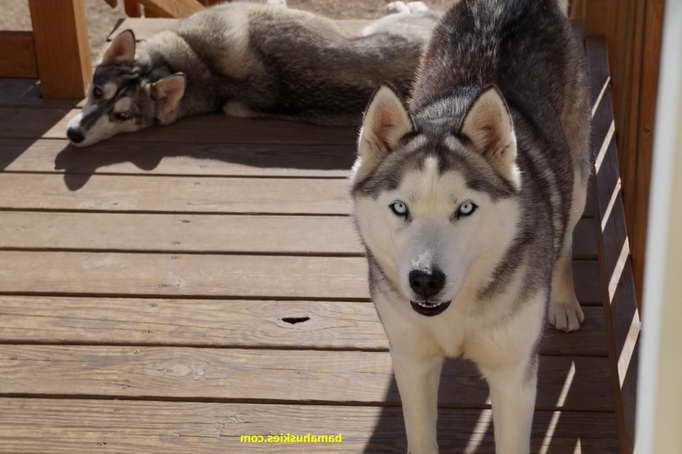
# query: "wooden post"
x,y
62,48
632,29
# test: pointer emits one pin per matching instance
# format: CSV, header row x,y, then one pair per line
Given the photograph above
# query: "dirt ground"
x,y
14,14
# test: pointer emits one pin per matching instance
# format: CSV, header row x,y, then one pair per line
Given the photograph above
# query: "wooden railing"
x,y
632,29
57,50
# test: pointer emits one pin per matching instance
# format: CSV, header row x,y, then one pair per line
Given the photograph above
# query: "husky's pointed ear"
x,y
121,49
488,125
385,122
167,93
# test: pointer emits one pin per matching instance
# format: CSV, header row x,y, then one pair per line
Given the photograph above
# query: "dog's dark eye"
x,y
122,116
467,208
97,92
399,208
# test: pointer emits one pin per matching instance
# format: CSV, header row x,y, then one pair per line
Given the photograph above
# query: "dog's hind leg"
x,y
512,393
565,312
418,379
241,110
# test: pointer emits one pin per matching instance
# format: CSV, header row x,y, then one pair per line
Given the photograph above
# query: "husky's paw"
x,y
240,110
566,316
417,7
397,8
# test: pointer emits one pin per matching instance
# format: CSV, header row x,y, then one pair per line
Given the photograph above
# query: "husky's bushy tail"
x,y
475,44
465,49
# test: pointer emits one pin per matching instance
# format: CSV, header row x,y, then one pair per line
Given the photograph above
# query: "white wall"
x,y
659,415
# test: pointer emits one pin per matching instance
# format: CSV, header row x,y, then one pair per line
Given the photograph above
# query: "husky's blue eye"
x,y
399,208
467,208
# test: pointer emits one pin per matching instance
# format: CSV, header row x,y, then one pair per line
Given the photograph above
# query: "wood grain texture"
x,y
177,274
17,54
62,49
215,128
264,160
118,193
113,427
268,375
298,235
251,323
637,179
217,276
187,195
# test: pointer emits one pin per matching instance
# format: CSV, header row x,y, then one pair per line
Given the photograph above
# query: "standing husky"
x,y
466,202
250,60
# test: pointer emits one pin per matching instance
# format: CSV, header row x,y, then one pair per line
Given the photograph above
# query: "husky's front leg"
x,y
418,377
512,393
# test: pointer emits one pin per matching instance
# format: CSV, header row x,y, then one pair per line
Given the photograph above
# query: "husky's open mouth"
x,y
430,309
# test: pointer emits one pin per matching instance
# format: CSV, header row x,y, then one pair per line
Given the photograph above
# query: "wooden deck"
x,y
171,290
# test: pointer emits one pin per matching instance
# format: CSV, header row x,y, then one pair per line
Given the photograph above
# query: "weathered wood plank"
x,y
251,323
270,375
52,123
17,54
190,194
177,194
265,160
177,275
120,427
198,233
637,173
190,233
62,49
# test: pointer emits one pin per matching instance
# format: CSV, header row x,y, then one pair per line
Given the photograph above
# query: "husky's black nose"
x,y
74,135
427,284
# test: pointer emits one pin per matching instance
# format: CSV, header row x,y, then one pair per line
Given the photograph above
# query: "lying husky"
x,y
251,60
466,202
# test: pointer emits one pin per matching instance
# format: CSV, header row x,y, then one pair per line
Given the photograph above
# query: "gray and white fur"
x,y
466,200
250,60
